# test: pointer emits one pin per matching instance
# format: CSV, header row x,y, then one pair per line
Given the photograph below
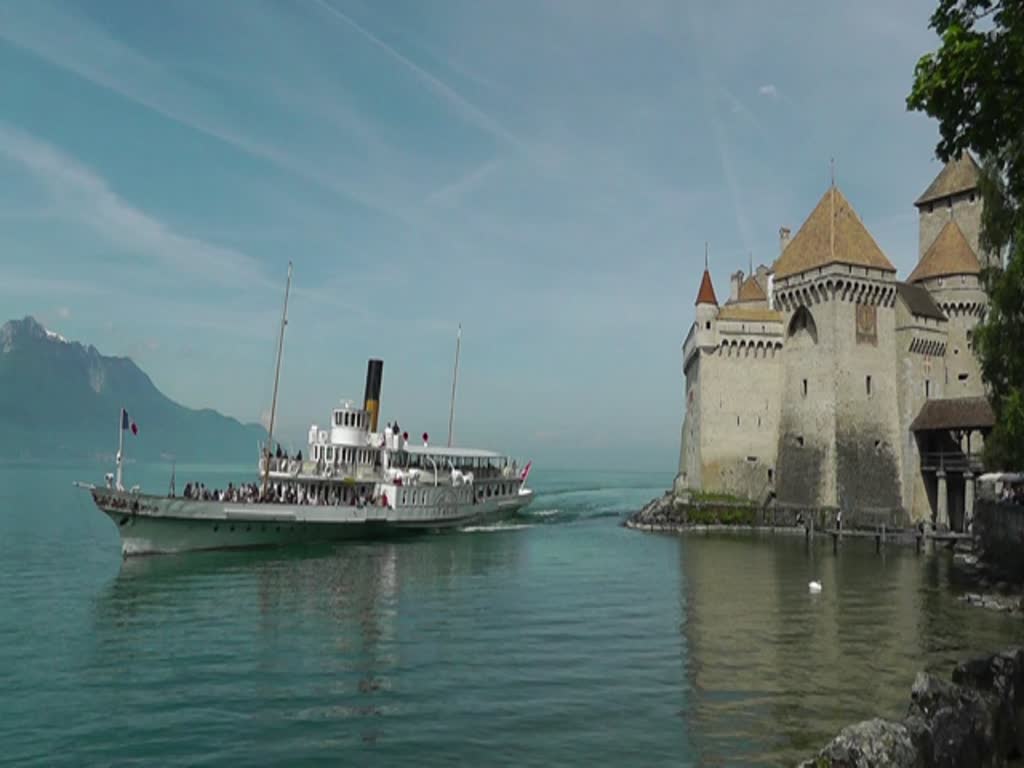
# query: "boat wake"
x,y
495,528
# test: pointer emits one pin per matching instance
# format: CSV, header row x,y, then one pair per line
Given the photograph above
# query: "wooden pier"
x,y
881,534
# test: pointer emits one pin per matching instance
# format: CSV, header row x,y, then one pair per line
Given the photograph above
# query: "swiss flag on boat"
x,y
126,423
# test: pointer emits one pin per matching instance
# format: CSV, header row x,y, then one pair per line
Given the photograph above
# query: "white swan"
x,y
814,586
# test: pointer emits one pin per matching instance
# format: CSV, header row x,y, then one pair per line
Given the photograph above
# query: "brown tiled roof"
x,y
751,290
706,294
958,175
749,314
950,254
833,233
919,301
954,413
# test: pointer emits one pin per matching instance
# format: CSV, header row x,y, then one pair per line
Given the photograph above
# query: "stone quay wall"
x,y
976,720
999,535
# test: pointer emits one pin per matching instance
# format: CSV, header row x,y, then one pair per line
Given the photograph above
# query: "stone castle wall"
x,y
921,373
740,416
806,439
867,405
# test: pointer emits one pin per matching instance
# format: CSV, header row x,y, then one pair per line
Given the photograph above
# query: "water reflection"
x,y
327,627
776,670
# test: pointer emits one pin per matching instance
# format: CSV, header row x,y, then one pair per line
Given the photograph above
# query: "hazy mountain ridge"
x,y
60,401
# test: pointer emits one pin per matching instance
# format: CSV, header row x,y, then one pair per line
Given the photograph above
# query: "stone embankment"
x,y
693,511
676,513
975,720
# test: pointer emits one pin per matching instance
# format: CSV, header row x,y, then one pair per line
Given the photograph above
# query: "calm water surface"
x,y
559,638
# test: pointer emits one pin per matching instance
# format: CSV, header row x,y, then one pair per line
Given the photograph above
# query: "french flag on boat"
x,y
126,423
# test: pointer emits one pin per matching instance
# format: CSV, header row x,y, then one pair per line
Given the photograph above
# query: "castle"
x,y
824,382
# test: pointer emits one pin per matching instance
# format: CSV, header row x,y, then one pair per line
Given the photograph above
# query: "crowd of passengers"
x,y
1012,494
250,493
415,461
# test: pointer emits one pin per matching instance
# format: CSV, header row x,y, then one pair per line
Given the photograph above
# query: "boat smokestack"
x,y
371,401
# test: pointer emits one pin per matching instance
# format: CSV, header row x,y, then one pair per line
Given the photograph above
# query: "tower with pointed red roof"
x,y
731,365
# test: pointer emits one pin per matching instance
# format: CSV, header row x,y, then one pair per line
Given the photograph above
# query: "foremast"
x,y
277,379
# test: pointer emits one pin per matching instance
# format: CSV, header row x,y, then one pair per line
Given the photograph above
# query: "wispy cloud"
x,y
467,109
452,193
717,130
63,313
83,196
769,90
72,42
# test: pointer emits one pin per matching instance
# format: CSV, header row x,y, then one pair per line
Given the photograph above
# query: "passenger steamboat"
x,y
356,481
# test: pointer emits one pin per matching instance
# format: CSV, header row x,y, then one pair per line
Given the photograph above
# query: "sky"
x,y
544,172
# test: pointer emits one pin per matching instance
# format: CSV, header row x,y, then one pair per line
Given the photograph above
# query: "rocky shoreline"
x,y
975,720
673,513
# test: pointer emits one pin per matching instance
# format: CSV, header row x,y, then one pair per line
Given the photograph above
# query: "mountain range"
x,y
60,401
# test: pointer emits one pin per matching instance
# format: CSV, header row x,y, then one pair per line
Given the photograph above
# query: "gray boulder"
x,y
870,744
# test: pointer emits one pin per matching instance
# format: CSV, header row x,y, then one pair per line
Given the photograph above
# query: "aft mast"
x,y
277,378
455,378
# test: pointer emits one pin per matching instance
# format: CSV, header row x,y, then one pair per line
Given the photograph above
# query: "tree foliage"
x,y
974,86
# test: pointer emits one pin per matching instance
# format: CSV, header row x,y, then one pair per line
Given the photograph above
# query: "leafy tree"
x,y
974,86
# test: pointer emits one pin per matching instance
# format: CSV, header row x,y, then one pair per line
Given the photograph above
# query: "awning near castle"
x,y
957,413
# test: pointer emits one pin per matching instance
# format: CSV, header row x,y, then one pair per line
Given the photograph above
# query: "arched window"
x,y
802,322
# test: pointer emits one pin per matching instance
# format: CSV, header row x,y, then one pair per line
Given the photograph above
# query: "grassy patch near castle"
x,y
715,514
705,497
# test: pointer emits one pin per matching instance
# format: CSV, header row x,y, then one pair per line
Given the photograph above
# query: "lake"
x,y
556,638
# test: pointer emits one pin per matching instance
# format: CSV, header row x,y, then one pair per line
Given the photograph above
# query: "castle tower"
x,y
838,441
700,341
731,361
953,197
950,272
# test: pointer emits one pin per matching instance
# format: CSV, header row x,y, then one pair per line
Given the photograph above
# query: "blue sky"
x,y
544,172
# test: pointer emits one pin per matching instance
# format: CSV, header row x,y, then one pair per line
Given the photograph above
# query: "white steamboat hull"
x,y
154,524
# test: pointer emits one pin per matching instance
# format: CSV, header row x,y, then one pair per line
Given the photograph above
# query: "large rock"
x,y
960,722
870,744
975,720
1001,677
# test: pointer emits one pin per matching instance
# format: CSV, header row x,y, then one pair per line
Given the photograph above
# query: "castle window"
x,y
752,459
956,351
759,421
927,388
707,325
803,322
737,421
867,385
972,197
962,378
771,475
805,387
931,207
800,440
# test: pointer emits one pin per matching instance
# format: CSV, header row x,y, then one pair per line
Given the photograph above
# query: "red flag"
x,y
526,472
135,428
